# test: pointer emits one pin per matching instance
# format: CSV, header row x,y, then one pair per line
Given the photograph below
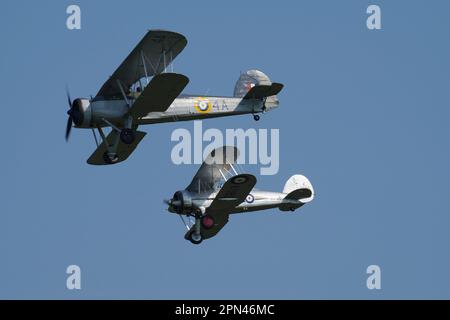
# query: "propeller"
x,y
75,113
69,112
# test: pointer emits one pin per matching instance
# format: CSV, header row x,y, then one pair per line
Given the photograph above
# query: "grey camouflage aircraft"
x,y
217,190
128,99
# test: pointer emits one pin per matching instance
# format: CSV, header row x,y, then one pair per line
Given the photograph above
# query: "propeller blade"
x,y
167,201
68,127
68,97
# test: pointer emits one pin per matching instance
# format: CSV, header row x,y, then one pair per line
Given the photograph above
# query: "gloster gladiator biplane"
x,y
217,190
128,99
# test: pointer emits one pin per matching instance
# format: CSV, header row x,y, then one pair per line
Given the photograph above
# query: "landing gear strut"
x,y
195,235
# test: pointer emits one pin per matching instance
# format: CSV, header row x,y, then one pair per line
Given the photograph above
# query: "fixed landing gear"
x,y
110,158
194,234
194,237
201,220
127,136
256,117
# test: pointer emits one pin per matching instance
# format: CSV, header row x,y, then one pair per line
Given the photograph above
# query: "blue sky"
x,y
364,114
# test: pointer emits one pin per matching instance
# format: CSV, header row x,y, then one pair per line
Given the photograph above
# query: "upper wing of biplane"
x,y
233,192
150,57
159,94
215,167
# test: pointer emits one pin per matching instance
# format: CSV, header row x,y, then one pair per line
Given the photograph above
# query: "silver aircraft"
x,y
128,99
217,190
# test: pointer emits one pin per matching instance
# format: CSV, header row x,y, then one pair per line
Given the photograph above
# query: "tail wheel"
x,y
207,222
110,159
256,117
195,238
127,136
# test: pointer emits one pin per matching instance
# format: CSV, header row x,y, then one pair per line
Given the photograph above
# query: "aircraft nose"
x,y
76,111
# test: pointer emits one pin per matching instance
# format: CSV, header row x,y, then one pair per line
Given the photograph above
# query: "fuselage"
x,y
187,107
255,201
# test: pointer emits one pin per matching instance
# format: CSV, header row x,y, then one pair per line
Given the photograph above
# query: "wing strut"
x,y
232,167
164,59
145,69
123,93
95,137
222,175
184,222
111,125
102,134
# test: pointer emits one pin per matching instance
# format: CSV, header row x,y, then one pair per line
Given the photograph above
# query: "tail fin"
x,y
248,80
298,187
256,84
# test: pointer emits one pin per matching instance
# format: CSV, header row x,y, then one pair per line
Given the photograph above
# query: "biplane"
x,y
143,90
218,190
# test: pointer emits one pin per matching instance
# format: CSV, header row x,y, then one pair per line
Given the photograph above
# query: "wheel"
x,y
207,222
256,117
107,158
127,136
292,209
195,238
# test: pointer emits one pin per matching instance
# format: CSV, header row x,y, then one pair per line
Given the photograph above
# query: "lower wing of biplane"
x,y
232,193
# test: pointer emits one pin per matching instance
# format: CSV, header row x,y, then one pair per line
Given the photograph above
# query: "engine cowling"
x,y
181,202
81,113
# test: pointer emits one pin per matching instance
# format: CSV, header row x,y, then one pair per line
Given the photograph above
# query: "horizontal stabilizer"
x,y
263,91
299,194
296,198
298,187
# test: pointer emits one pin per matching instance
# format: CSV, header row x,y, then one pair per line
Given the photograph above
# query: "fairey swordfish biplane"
x,y
128,99
218,190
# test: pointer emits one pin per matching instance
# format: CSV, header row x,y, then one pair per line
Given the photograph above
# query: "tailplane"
x,y
298,187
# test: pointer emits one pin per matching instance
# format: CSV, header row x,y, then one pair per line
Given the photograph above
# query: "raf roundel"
x,y
250,198
202,105
239,180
